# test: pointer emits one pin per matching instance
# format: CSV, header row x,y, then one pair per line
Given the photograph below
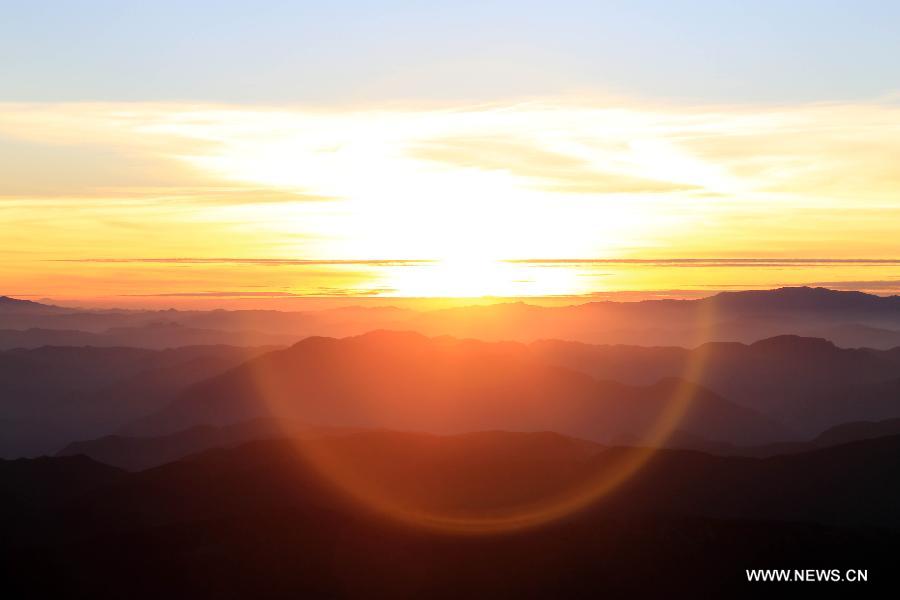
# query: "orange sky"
x,y
161,203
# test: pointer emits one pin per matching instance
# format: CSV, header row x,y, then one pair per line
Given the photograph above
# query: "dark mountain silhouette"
x,y
804,299
786,459
16,306
807,383
870,400
254,520
56,395
854,335
834,436
862,430
139,453
410,382
33,484
52,395
840,434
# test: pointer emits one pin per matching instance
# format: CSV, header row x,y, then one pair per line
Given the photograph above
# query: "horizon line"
x,y
717,261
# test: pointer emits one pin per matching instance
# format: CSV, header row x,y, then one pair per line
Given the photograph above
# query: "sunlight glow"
x,y
468,187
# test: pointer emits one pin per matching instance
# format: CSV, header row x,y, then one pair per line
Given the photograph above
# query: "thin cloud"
x,y
708,262
217,295
255,261
552,170
321,292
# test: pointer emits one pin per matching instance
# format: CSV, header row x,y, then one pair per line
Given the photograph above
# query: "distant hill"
x,y
807,383
745,316
850,319
53,395
139,453
861,430
15,306
160,336
406,381
167,328
834,436
803,299
786,388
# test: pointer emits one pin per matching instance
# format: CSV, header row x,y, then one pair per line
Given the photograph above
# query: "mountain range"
x,y
56,394
849,319
273,454
780,390
406,381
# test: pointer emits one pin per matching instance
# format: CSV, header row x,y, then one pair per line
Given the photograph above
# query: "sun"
x,y
467,191
475,277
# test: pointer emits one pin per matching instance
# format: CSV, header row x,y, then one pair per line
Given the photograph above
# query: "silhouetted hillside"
x,y
33,484
806,383
255,521
804,299
17,306
53,395
834,436
139,453
400,381
405,381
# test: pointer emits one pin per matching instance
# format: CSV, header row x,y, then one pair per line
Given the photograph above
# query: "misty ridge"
x,y
172,447
780,389
848,319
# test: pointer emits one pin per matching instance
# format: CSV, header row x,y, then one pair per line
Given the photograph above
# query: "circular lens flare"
x,y
346,467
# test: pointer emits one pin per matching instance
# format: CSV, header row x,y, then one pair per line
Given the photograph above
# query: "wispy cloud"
x,y
253,261
553,171
320,292
711,262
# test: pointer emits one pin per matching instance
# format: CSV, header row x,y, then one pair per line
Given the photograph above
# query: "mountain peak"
x,y
803,297
18,305
788,342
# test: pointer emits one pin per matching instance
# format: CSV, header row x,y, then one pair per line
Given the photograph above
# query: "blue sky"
x,y
357,52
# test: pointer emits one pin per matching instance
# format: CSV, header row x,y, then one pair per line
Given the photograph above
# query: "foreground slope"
x,y
255,520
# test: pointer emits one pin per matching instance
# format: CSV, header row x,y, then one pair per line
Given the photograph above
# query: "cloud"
x,y
35,169
256,261
712,262
97,152
319,292
239,294
467,186
553,171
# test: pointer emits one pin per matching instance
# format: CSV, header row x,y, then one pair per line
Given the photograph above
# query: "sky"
x,y
196,152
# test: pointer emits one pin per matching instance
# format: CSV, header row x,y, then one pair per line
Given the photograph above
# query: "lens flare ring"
x,y
339,471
